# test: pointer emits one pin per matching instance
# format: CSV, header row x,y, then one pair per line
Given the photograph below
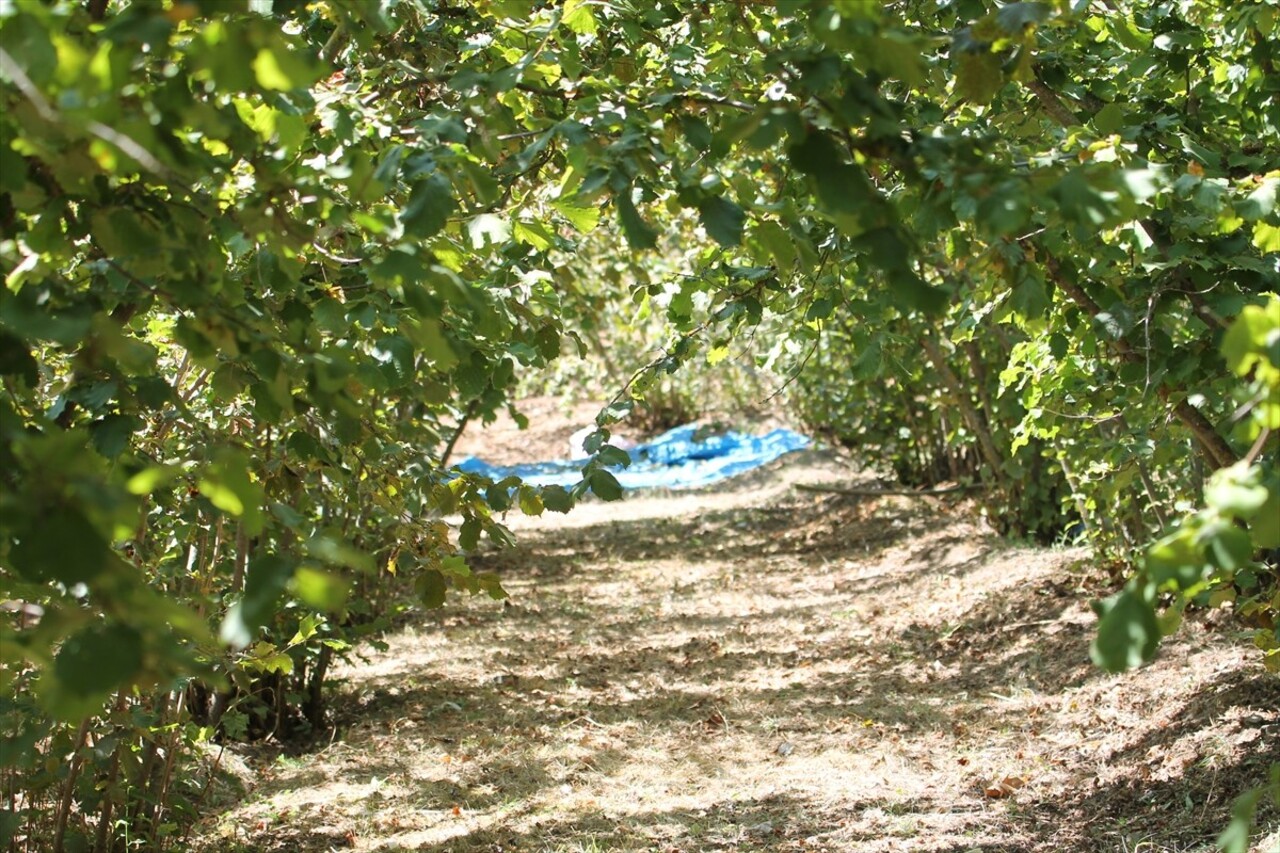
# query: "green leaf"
x,y
583,219
557,498
431,588
819,309
283,70
11,822
1249,340
1265,527
697,132
610,455
779,244
1128,633
1109,119
1227,546
533,233
604,484
429,207
1178,558
111,434
265,580
228,486
1235,838
61,545
428,334
723,220
266,657
1081,202
90,666
491,585
1236,491
1261,202
1127,32
151,478
639,234
1014,17
16,360
320,589
885,248
841,187
978,76
396,353
615,412
330,548
530,502
26,38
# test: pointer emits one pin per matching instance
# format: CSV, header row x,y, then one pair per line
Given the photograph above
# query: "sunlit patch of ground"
x,y
760,668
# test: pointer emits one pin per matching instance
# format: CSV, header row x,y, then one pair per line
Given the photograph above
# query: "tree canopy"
x,y
264,259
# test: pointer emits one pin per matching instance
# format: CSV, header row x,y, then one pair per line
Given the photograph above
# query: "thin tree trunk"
x,y
241,558
102,840
315,688
990,454
162,796
68,787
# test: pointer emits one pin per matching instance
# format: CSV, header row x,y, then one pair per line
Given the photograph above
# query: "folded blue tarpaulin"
x,y
677,459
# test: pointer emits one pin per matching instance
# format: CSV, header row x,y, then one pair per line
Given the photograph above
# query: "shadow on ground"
x,y
828,674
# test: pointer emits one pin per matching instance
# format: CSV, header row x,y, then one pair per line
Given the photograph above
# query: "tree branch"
x,y
1215,448
1052,104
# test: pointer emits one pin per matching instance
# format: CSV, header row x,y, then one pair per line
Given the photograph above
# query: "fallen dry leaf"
x,y
1004,787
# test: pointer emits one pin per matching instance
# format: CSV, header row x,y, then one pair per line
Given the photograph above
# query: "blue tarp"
x,y
673,460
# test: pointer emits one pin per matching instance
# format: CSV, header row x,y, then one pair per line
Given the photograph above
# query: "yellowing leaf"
x,y
1266,237
577,16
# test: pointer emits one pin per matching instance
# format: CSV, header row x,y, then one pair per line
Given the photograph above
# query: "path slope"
x,y
761,669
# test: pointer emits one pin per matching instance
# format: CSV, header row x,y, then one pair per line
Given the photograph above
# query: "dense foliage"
x,y
264,259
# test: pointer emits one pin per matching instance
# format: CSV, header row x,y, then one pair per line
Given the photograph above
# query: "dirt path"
x,y
766,669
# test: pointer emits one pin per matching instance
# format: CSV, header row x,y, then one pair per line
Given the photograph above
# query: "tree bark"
x,y
1053,105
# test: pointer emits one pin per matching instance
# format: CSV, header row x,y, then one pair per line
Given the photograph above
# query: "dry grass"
x,y
758,669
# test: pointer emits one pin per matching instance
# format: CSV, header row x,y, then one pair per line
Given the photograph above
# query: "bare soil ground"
x,y
758,668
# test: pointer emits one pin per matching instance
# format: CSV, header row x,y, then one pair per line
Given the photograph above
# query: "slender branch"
x,y
457,434
796,373
1052,104
334,44
1261,442
13,70
716,101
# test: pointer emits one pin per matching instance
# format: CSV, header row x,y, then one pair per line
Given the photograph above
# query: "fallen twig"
x,y
871,493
